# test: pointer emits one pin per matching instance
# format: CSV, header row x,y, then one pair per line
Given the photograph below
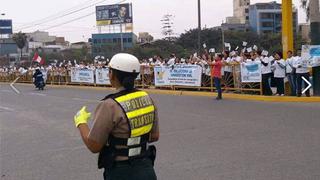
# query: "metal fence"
x,y
231,82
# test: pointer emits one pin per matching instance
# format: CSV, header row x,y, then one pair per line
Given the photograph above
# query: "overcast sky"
x,y
146,15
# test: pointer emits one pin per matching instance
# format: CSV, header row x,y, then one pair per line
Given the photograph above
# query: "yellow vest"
x,y
139,110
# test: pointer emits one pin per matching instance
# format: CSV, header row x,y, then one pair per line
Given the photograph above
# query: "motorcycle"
x,y
38,80
40,85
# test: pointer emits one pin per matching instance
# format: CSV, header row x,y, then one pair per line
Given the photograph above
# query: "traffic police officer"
x,y
124,125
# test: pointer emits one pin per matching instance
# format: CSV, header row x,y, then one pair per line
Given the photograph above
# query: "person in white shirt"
x,y
228,71
236,59
159,61
266,75
291,74
302,70
279,67
172,60
247,58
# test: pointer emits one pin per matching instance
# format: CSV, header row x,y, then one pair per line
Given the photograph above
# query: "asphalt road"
x,y
201,139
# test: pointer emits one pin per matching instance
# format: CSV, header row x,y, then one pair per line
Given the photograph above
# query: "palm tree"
x,y
21,40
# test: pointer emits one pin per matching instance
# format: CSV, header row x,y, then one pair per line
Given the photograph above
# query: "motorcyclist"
x,y
38,78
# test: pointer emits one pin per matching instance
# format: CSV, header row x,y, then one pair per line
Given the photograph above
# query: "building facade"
x,y
109,44
235,27
241,10
40,36
267,18
7,47
145,37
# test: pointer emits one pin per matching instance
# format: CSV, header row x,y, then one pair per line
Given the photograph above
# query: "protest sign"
x,y
179,75
251,72
82,75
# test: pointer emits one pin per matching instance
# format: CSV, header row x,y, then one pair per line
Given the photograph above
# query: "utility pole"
x,y
222,34
287,27
121,37
199,27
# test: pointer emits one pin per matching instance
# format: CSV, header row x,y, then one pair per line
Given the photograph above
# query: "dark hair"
x,y
290,52
220,56
280,54
248,55
126,79
227,53
259,53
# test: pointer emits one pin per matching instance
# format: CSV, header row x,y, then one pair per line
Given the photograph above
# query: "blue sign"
x,y
5,26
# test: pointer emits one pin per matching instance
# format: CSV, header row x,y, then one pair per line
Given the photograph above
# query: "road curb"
x,y
202,94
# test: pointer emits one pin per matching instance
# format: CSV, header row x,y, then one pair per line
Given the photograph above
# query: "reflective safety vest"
x,y
140,112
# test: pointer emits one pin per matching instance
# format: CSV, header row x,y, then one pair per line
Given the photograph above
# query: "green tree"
x,y
213,39
20,39
162,47
84,52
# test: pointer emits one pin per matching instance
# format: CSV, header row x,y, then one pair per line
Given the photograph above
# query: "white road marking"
x,y
6,108
12,85
309,85
38,94
6,91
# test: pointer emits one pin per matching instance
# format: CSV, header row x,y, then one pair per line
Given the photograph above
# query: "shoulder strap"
x,y
118,94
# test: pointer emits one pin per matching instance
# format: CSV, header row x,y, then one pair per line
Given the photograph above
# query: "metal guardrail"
x,y
231,82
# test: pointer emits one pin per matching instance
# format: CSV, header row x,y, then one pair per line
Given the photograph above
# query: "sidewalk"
x,y
200,93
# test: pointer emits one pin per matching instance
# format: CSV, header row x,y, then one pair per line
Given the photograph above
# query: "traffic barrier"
x,y
146,79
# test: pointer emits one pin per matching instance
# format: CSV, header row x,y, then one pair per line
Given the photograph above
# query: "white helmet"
x,y
125,62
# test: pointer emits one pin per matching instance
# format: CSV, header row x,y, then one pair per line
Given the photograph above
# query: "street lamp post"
x,y
121,37
199,27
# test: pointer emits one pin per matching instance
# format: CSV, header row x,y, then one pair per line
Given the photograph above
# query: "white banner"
x,y
312,54
82,75
102,76
251,72
179,75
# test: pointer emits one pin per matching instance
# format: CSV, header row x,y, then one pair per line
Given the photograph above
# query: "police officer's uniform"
x,y
123,122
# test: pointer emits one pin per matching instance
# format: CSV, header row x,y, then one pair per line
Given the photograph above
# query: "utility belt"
x,y
135,148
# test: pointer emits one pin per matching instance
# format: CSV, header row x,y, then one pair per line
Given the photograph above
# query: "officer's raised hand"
x,y
82,116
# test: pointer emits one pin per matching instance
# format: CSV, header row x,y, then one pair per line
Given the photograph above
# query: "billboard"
x,y
5,26
113,14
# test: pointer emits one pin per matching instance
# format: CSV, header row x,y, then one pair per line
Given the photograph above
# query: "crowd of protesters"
x,y
220,66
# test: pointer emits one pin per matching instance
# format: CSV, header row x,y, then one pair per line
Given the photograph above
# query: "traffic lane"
x,y
201,143
39,140
231,139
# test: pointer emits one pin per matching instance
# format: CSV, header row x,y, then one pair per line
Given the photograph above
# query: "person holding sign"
x,y
279,67
302,70
124,125
216,74
266,73
228,69
291,73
